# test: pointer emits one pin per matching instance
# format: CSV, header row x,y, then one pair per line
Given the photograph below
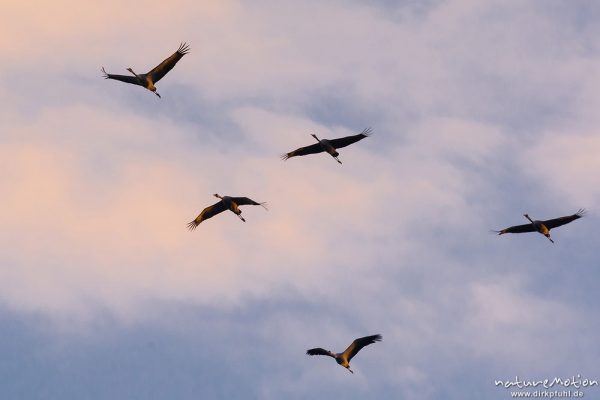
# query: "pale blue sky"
x,y
481,111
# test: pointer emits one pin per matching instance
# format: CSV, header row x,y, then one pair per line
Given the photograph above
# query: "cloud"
x,y
564,163
480,112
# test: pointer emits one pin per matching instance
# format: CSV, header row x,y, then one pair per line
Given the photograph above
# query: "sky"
x,y
481,112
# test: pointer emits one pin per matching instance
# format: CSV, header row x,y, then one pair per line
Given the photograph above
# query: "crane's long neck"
x,y
134,74
217,195
527,216
315,136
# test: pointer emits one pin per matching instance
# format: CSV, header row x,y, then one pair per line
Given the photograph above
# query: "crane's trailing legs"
x,y
540,227
233,206
328,148
146,83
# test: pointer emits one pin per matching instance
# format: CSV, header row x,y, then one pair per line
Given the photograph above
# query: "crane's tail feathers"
x,y
104,72
367,132
183,49
192,225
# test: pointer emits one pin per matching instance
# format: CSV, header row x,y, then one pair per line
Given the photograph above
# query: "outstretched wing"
x,y
245,201
164,67
320,352
207,213
518,229
122,78
302,151
359,344
348,140
553,223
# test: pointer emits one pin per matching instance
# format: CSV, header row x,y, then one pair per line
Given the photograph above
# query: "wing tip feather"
x,y
192,225
183,49
367,132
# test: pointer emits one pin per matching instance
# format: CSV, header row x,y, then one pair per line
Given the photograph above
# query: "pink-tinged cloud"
x,y
99,206
566,164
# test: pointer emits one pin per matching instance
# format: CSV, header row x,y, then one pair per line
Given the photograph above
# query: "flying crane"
x,y
149,79
327,145
344,358
226,203
542,227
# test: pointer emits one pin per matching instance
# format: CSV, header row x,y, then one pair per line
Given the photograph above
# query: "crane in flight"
x,y
542,227
149,79
226,203
328,145
344,358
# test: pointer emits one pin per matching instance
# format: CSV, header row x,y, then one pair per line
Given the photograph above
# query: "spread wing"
x,y
518,229
164,67
245,201
207,213
359,344
553,223
302,151
122,78
348,140
320,352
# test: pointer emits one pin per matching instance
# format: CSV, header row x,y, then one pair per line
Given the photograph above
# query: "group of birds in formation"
x,y
149,79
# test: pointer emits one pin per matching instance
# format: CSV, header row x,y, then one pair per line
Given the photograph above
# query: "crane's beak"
x,y
350,370
156,93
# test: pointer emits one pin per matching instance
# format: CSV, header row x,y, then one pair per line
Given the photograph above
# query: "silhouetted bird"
x,y
328,145
148,79
542,227
226,203
344,358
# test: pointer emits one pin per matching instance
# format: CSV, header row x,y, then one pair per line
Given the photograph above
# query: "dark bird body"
x,y
226,203
542,227
344,358
328,145
149,79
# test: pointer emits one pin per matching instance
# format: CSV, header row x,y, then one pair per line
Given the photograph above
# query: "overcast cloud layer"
x,y
481,111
